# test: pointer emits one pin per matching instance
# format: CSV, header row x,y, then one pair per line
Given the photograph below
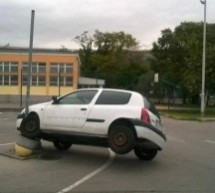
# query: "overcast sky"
x,y
57,22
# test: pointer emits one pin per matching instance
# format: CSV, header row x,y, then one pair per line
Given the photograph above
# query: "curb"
x,y
10,109
186,119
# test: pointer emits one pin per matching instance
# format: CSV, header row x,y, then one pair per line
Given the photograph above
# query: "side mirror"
x,y
55,101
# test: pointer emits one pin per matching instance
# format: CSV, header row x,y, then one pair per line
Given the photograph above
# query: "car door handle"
x,y
83,109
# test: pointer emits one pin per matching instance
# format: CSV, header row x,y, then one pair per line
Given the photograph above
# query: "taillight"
x,y
145,116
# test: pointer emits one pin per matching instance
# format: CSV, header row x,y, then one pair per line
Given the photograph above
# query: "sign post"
x,y
29,64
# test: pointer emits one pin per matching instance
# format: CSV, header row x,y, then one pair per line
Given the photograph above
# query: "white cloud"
x,y
57,22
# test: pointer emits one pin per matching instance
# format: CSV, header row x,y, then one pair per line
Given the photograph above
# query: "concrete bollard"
x,y
25,147
22,151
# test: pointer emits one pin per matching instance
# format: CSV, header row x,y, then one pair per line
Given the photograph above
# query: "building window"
x,y
61,74
38,70
14,80
1,67
14,67
8,73
6,80
54,69
6,67
53,80
41,68
69,81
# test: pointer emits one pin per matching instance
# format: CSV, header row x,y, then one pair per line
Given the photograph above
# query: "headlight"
x,y
21,115
23,111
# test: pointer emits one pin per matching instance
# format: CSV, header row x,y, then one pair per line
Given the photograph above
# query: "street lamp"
x,y
204,2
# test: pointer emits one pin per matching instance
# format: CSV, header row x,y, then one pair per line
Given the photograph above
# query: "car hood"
x,y
39,105
36,107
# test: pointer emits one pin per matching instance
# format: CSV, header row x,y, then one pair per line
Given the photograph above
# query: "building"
x,y
54,72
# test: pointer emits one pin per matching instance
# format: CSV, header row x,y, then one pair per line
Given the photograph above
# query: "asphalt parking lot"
x,y
185,165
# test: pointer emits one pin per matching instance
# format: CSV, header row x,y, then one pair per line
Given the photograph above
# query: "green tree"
x,y
112,56
115,42
145,84
179,53
86,43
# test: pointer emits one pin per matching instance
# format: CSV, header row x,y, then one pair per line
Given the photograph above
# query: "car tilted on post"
x,y
120,119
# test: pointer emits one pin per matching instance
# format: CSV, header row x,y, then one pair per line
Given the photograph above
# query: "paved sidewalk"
x,y
165,107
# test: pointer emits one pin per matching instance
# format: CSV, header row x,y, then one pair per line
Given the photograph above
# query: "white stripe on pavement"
x,y
209,141
3,119
4,144
90,175
175,139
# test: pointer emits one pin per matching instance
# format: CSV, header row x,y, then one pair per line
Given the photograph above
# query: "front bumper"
x,y
20,117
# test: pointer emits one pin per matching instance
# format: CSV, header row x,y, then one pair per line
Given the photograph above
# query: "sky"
x,y
58,22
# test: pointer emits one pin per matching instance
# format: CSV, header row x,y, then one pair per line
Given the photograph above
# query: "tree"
x,y
115,42
179,52
86,43
146,83
112,56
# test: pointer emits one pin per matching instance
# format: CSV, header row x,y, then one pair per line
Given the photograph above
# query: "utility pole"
x,y
204,2
59,81
21,89
29,64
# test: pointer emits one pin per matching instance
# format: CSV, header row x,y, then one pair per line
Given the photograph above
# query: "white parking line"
x,y
175,139
4,144
90,175
3,119
209,141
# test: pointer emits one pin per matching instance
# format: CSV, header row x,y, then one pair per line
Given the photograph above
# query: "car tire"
x,y
121,139
62,145
28,143
30,127
145,154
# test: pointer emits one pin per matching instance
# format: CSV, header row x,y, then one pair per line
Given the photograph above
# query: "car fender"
x,y
123,121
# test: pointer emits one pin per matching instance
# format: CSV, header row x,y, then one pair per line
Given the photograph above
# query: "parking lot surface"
x,y
185,165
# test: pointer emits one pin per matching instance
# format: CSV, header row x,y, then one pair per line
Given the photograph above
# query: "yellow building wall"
x,y
9,90
53,91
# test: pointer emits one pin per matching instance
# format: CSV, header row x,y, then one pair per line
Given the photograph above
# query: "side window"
x,y
80,97
113,98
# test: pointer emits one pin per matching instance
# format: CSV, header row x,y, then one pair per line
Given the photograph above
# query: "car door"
x,y
70,112
109,106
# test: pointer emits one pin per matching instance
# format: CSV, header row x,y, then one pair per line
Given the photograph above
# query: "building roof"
x,y
8,49
21,50
91,81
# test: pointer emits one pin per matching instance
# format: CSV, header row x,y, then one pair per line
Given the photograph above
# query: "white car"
x,y
120,119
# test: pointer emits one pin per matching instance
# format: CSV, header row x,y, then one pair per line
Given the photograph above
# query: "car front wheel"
x,y
30,127
145,154
121,139
62,145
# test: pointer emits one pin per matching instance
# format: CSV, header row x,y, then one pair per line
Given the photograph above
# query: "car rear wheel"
x,y
121,139
62,145
30,127
145,154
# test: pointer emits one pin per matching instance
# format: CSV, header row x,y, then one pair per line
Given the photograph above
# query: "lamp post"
x,y
29,63
204,2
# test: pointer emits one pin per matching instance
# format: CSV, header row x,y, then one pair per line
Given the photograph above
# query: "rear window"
x,y
113,98
150,106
